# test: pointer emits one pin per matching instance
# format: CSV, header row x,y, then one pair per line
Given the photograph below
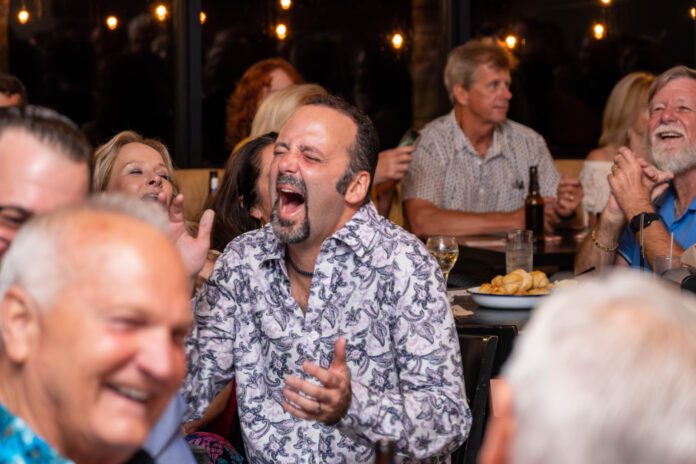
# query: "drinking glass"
x,y
519,251
446,250
663,263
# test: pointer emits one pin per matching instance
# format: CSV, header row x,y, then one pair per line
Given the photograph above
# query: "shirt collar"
x,y
463,142
357,234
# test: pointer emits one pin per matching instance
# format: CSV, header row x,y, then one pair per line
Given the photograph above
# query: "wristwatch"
x,y
648,219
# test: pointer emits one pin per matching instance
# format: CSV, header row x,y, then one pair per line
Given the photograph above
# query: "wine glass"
x,y
446,250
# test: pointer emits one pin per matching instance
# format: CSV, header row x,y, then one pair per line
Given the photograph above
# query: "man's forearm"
x,y
429,221
657,242
411,417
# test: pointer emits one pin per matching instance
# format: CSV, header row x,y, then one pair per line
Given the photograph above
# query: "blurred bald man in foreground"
x,y
603,374
93,315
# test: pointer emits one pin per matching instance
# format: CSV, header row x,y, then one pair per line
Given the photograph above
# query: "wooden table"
x,y
482,257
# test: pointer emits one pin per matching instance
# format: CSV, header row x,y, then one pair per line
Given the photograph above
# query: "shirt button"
x,y
314,336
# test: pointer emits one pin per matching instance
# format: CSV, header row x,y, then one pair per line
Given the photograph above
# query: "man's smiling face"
x,y
672,126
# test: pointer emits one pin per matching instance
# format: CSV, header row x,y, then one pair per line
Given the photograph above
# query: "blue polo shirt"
x,y
684,228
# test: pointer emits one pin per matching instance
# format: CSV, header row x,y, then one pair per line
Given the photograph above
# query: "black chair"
x,y
478,355
506,339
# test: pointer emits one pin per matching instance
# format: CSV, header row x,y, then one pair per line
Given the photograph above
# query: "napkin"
x,y
459,311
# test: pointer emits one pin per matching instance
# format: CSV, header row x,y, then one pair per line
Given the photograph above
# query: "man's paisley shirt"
x,y
376,285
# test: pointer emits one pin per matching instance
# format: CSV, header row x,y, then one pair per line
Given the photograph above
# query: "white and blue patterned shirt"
x,y
447,171
376,285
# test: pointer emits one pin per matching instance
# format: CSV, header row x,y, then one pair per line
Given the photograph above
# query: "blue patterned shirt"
x,y
20,445
374,284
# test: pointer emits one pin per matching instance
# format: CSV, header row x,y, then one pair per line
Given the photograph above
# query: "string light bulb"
x,y
598,31
23,16
281,31
605,2
204,17
693,13
511,41
112,22
161,12
285,4
397,41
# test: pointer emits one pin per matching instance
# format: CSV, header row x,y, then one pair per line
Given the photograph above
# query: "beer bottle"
x,y
384,452
534,207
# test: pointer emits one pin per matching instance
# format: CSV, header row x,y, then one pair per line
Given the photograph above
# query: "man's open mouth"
x,y
667,132
669,135
291,201
292,196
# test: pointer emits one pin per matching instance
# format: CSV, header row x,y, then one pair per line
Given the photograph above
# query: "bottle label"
x,y
213,184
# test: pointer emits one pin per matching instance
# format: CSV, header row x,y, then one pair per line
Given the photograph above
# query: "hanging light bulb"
x,y
693,13
281,31
511,41
397,41
161,12
285,4
23,16
605,2
112,22
598,30
204,17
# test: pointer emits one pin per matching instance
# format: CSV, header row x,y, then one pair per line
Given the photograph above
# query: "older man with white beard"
x,y
639,192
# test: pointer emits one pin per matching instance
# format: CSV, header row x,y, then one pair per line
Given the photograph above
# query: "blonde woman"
x,y
140,166
277,108
624,123
134,164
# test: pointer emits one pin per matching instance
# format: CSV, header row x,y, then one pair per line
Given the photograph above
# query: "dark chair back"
x,y
478,355
506,339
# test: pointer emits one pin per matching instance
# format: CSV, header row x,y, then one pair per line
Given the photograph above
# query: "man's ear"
x,y
19,324
358,188
461,95
500,433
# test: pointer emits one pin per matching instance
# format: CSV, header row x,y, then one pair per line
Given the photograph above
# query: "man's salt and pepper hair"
x,y
604,374
463,61
671,74
35,259
364,152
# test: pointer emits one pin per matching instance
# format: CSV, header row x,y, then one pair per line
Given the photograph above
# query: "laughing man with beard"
x,y
671,143
334,321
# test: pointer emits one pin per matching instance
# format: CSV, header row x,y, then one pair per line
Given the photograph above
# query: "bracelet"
x,y
593,236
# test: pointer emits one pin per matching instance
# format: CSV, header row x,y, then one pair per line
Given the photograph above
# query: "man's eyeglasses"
x,y
12,217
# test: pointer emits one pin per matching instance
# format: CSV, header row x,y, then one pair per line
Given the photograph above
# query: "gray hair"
x,y
666,77
364,152
463,61
604,374
36,259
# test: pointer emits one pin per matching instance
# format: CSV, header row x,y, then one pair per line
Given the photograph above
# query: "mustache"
x,y
292,182
670,128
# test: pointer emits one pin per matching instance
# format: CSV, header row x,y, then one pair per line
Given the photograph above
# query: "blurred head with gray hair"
x,y
604,373
94,311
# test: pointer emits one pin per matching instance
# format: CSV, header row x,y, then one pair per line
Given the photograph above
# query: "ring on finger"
x,y
318,408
